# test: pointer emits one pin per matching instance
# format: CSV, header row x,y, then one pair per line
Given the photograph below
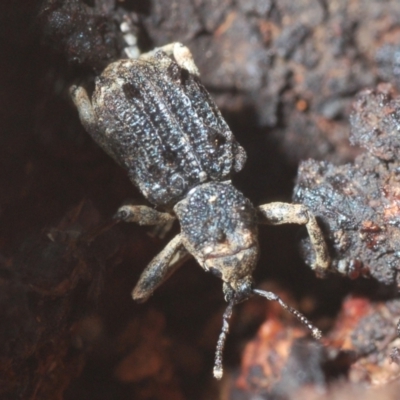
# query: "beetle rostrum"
x,y
156,119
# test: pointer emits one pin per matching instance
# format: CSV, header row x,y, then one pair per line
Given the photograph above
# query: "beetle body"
x,y
156,119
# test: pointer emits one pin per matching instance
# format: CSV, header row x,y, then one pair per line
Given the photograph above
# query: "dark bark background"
x,y
285,74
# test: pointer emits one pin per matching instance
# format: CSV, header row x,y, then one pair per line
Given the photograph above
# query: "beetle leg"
x,y
160,269
84,106
143,215
180,53
286,213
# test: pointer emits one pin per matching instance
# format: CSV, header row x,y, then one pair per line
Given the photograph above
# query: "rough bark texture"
x,y
359,202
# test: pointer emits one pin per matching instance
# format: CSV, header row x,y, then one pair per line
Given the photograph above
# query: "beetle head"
x,y
219,228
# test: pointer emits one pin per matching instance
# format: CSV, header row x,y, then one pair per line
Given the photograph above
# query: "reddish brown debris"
x,y
368,330
360,349
272,359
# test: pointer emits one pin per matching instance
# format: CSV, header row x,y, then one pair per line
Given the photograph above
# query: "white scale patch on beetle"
x,y
155,118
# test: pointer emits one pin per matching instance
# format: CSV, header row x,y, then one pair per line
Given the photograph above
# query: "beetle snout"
x,y
233,268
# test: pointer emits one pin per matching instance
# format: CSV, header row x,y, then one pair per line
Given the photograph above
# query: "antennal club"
x,y
218,369
316,333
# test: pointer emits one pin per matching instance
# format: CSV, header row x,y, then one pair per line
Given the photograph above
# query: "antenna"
x,y
218,369
315,332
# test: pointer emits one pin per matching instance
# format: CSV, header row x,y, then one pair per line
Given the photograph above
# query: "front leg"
x,y
143,215
160,269
285,213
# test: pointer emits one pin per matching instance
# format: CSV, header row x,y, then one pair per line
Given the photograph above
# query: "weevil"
x,y
156,119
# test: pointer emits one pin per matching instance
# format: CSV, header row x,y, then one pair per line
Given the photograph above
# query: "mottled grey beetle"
x,y
156,119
